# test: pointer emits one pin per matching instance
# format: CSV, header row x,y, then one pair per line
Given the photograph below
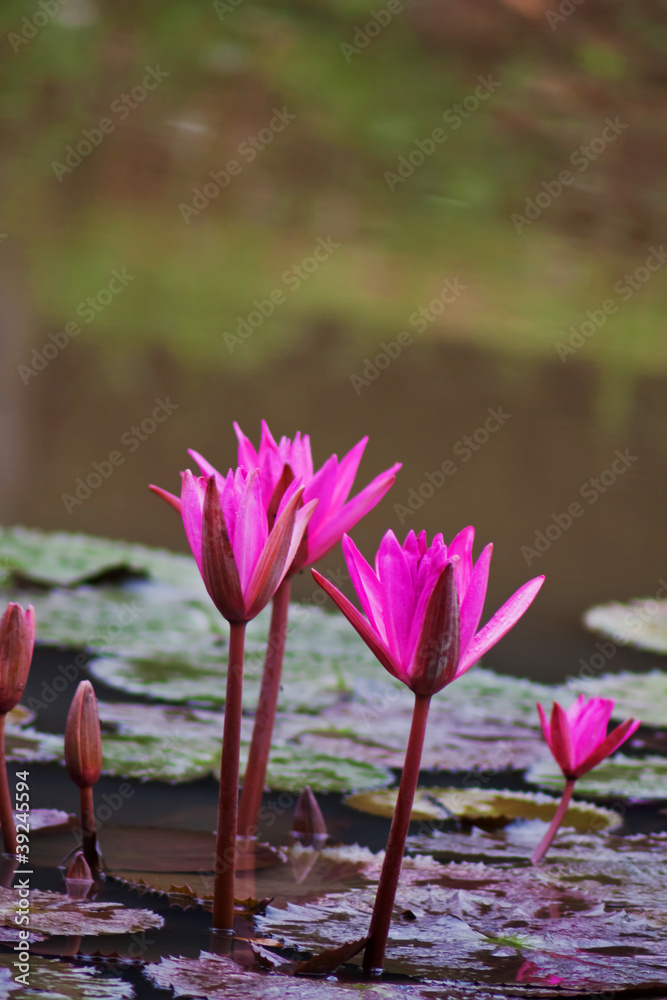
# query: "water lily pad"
x,y
642,696
484,807
62,559
173,743
641,623
618,777
476,922
53,980
55,913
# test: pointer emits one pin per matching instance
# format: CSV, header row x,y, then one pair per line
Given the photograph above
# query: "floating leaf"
x,y
618,777
52,980
484,807
641,623
63,559
474,922
642,696
55,913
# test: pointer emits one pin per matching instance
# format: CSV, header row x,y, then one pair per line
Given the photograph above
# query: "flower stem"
x,y
225,848
6,809
88,833
391,869
540,851
260,746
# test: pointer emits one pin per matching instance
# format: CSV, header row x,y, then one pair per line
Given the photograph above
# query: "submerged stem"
x,y
540,851
260,746
7,823
391,869
225,848
88,832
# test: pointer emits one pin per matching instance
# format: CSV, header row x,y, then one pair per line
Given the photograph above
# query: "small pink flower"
x,y
330,486
17,641
241,561
578,738
423,606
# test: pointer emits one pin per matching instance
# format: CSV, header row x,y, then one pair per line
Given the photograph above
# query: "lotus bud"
x,y
17,640
83,741
437,657
308,825
79,870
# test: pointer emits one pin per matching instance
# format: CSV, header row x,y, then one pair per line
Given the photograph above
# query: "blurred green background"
x,y
354,128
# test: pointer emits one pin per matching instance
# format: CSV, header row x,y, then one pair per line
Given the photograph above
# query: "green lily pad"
x,y
61,559
484,807
618,777
53,980
642,696
55,913
170,743
641,623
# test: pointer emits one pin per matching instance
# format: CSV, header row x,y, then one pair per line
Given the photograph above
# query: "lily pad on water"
x,y
61,559
642,696
618,777
55,913
475,922
218,977
52,980
641,623
484,807
170,743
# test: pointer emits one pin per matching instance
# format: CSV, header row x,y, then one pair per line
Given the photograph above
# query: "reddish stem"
x,y
88,832
260,746
391,869
540,851
7,823
225,848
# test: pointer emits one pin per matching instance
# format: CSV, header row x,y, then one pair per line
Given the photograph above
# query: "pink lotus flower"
x,y
241,562
17,641
422,617
578,738
330,486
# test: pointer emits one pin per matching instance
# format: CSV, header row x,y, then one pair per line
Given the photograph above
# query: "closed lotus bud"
x,y
17,640
83,741
79,868
308,825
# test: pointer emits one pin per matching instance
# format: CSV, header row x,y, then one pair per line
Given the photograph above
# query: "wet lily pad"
x,y
55,913
641,623
484,807
218,977
477,922
642,696
52,980
172,743
618,777
62,559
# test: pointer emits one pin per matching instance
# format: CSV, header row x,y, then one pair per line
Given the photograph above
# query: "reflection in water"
x,y
200,225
